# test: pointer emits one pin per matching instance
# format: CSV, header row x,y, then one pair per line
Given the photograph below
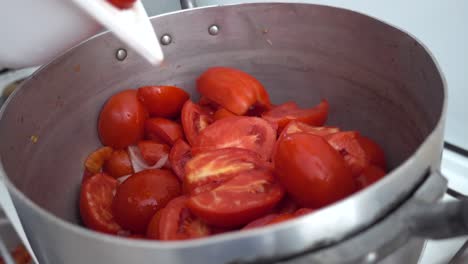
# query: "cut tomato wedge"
x,y
95,161
163,129
153,152
96,197
239,200
222,113
374,152
178,223
180,154
194,120
119,164
163,101
250,133
370,175
298,127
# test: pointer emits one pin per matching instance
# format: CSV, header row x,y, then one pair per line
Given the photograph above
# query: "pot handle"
x,y
188,4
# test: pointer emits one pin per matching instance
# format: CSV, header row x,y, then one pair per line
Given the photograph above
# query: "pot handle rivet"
x,y
166,39
213,30
121,54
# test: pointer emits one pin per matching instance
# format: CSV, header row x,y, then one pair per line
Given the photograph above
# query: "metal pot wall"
x,y
378,80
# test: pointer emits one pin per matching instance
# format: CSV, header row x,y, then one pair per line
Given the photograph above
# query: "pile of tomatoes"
x,y
174,169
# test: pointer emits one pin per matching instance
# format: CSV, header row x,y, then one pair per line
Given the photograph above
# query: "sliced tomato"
x,y
194,120
222,113
178,223
152,231
152,152
374,152
210,169
298,127
233,89
163,101
370,175
250,133
160,128
118,164
95,161
312,172
303,211
96,197
122,120
180,154
239,200
285,113
122,4
140,196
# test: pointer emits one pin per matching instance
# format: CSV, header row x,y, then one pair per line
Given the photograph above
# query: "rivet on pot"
x,y
213,30
121,54
166,39
371,257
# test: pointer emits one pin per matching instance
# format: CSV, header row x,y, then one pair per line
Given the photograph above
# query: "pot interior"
x,y
377,79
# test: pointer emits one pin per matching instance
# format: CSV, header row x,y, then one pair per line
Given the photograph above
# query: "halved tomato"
x,y
163,101
370,175
347,144
222,113
250,133
194,120
285,113
178,223
119,164
180,154
210,169
96,197
152,152
163,129
239,200
140,196
312,172
122,120
233,89
95,161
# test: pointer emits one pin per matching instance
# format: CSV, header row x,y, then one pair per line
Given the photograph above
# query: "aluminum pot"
x,y
378,80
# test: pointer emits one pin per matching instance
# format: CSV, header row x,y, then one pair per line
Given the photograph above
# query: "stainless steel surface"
x,y
166,39
8,239
187,4
121,54
213,30
377,79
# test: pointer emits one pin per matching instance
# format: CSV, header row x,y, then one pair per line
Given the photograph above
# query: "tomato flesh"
x,y
180,154
163,129
163,101
152,152
194,119
95,161
118,164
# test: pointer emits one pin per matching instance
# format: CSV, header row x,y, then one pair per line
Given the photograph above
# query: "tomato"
x,y
239,200
207,103
180,154
250,133
286,205
122,4
298,127
122,120
152,231
303,211
96,197
233,89
163,101
95,160
370,175
160,128
194,120
178,223
262,221
374,152
140,196
312,172
152,152
283,114
210,169
118,164
222,113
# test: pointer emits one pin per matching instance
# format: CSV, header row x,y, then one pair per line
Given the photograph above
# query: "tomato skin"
x,y
152,231
163,101
152,152
222,113
373,151
122,4
285,113
122,120
178,223
233,89
164,129
95,161
140,196
250,133
210,169
300,127
96,197
194,119
313,173
239,200
369,175
303,211
180,154
347,144
118,164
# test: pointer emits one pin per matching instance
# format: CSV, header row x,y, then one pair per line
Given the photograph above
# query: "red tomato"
x,y
370,175
313,173
207,103
163,101
210,169
222,113
96,197
373,151
298,127
178,223
239,200
347,144
118,164
285,113
152,232
165,129
233,89
303,211
152,152
180,154
95,160
140,196
194,120
122,120
262,221
122,4
250,133
285,206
